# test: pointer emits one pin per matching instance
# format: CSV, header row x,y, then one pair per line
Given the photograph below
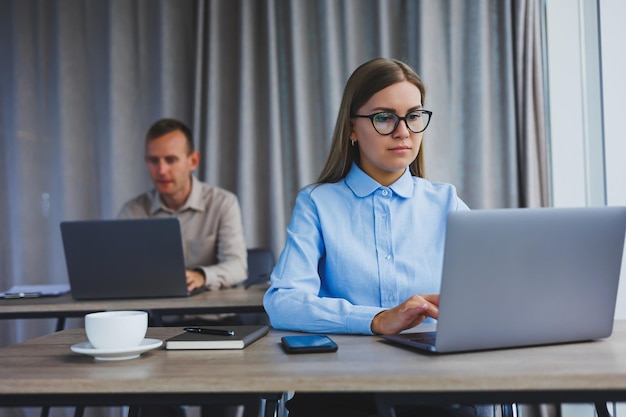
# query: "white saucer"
x,y
86,348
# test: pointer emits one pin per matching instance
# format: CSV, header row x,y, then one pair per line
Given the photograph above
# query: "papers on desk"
x,y
34,291
242,337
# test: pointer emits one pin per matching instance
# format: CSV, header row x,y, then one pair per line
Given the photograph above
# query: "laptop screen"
x,y
135,258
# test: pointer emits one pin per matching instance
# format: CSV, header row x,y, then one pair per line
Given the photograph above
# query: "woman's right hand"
x,y
408,314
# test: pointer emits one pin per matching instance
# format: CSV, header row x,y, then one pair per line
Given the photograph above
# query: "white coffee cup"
x,y
116,329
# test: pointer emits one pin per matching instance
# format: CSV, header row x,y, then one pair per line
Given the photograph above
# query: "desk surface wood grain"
x,y
46,365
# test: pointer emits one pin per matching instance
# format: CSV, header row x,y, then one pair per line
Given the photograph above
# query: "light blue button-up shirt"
x,y
355,248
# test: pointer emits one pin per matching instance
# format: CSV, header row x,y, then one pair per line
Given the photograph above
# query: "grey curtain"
x,y
270,75
259,82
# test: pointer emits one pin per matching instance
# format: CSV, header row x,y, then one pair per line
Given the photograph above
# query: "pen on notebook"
x,y
204,330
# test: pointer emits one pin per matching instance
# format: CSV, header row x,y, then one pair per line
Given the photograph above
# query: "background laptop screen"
x,y
124,258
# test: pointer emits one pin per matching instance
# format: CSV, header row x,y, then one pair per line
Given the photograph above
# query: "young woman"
x,y
364,248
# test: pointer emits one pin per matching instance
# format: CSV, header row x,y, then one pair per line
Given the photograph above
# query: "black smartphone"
x,y
310,343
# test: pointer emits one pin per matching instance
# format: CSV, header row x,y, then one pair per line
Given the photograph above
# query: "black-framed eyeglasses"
x,y
385,123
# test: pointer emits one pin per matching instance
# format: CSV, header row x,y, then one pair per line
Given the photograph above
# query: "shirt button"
x,y
390,298
385,192
387,257
383,215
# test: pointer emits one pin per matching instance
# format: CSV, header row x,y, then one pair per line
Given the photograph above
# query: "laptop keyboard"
x,y
426,337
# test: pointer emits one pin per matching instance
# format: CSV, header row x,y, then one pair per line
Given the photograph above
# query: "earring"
x,y
353,143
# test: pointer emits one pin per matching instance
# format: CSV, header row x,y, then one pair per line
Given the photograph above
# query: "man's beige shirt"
x,y
211,227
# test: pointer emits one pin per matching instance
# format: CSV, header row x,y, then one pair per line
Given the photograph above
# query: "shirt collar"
x,y
194,201
363,185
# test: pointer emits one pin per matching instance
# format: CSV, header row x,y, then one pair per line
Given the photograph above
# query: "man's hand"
x,y
408,314
195,280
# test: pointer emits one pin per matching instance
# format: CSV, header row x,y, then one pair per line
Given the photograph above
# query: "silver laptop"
x,y
522,277
113,259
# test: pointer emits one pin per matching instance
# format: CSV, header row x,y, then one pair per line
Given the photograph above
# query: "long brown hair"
x,y
365,81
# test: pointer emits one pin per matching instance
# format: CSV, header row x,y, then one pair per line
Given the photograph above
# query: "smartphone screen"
x,y
311,343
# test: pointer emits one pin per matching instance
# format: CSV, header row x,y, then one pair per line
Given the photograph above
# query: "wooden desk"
x,y
233,300
43,371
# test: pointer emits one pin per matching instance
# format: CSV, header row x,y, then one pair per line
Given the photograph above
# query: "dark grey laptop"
x,y
521,277
112,259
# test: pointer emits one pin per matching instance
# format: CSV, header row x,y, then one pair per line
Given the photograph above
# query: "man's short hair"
x,y
164,126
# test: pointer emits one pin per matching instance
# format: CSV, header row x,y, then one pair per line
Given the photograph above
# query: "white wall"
x,y
588,145
613,32
588,137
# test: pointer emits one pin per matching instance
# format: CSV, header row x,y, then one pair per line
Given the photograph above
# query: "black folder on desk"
x,y
243,335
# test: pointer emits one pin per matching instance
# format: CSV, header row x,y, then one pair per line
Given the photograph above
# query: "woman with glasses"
x,y
364,248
